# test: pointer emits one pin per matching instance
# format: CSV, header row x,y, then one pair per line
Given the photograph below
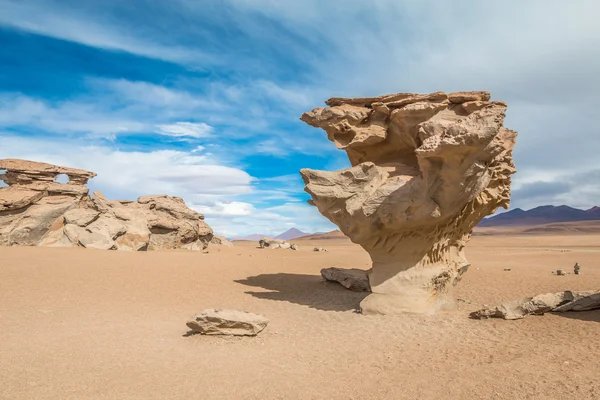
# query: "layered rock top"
x,y
426,168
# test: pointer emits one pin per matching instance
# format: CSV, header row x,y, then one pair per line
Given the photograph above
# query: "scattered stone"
x,y
576,268
397,144
353,279
294,246
221,321
319,249
560,272
44,212
540,304
266,243
507,269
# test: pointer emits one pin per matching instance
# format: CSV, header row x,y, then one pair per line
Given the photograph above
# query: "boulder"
x,y
220,321
220,241
266,243
35,210
294,246
353,279
319,249
425,169
540,304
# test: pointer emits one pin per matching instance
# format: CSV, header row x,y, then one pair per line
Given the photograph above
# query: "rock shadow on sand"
x,y
307,290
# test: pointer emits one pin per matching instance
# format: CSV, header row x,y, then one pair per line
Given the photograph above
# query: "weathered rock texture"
x,y
353,279
221,321
35,210
425,170
220,241
541,304
266,243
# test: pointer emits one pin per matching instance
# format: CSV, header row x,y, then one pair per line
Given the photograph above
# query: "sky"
x,y
202,99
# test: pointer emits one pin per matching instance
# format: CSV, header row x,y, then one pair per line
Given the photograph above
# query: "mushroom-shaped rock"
x,y
221,321
425,170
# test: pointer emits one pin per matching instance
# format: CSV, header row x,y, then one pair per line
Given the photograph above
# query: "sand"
x,y
84,324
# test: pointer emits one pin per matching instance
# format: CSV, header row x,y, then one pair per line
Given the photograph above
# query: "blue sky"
x,y
202,99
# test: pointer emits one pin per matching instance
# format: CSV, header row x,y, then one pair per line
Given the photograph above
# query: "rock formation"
x,y
35,210
222,321
221,241
425,170
541,304
353,279
266,243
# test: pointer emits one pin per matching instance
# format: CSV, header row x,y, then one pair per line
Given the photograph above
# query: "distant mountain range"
x,y
290,234
541,215
518,217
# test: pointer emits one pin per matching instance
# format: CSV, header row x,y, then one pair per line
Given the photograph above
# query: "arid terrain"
x,y
91,324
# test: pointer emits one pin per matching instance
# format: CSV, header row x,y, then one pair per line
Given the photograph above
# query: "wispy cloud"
x,y
185,129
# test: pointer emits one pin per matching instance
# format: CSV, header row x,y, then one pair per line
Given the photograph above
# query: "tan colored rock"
x,y
541,304
220,321
220,241
319,249
36,210
425,170
267,243
353,279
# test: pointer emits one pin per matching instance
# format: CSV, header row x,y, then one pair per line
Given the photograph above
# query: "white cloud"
x,y
185,129
65,23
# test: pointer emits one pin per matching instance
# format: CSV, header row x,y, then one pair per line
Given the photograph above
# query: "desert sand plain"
x,y
92,324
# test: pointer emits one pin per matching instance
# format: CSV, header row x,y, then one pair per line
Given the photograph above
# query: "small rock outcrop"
x,y
353,279
220,241
425,170
220,321
35,210
319,249
541,304
266,243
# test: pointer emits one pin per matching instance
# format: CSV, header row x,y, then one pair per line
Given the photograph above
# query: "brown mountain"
x,y
541,215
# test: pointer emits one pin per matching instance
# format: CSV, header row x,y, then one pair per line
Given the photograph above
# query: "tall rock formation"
x,y
36,210
425,170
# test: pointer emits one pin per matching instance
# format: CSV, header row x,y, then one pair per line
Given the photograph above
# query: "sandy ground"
x,y
84,324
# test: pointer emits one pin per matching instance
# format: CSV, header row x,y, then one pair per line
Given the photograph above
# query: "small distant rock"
x,y
222,321
294,247
576,268
319,249
507,269
353,279
266,243
560,272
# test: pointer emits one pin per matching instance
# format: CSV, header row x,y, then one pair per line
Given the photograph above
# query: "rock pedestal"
x,y
425,170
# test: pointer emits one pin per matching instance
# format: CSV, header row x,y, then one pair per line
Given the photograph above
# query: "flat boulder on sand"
x,y
223,321
541,304
353,279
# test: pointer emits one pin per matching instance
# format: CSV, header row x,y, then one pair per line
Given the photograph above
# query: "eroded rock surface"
x,y
541,304
220,241
353,279
35,210
266,243
221,321
425,170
